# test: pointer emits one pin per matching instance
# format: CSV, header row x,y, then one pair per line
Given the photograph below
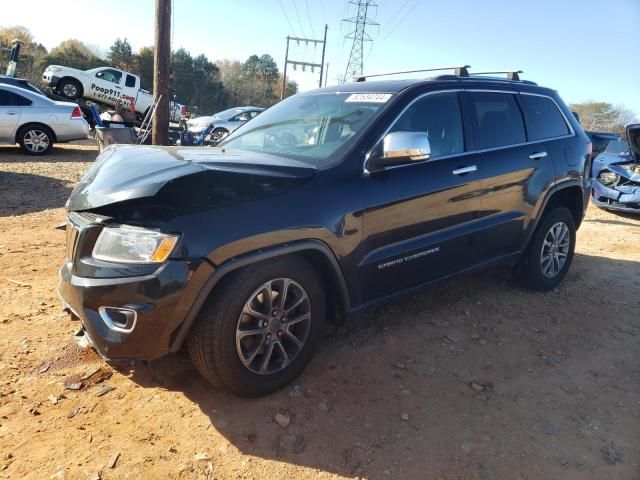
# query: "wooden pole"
x,y
284,74
161,66
324,47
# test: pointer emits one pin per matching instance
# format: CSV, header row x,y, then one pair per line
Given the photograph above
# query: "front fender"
x,y
250,258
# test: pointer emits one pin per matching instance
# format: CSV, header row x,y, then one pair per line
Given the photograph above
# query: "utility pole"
x,y
296,63
324,48
359,35
161,72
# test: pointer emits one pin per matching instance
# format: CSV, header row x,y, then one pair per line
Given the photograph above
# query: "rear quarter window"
x,y
496,118
543,118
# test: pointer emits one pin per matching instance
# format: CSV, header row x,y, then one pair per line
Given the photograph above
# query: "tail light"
x,y
183,110
77,113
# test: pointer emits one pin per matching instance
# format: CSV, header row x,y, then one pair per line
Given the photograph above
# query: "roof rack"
x,y
511,74
460,71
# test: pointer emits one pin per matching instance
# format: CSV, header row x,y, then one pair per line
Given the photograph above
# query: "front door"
x,y
106,85
418,227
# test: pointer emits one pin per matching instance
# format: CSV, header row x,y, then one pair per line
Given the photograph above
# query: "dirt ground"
x,y
476,378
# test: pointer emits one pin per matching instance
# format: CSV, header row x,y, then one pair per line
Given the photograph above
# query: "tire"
x,y
225,330
218,135
35,139
543,269
69,88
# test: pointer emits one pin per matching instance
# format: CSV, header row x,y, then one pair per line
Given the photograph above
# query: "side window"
x,y
131,81
10,99
109,75
439,116
243,117
254,114
496,119
543,118
4,98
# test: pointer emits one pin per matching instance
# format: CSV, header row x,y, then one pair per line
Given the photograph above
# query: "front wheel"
x,y
218,135
260,327
69,89
548,257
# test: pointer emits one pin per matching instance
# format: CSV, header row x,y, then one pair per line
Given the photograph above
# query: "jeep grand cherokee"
x,y
329,202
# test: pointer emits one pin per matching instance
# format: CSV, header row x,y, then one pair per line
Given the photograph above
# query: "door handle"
x,y
537,155
12,112
464,170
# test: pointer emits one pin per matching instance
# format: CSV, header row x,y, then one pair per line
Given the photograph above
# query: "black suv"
x,y
327,203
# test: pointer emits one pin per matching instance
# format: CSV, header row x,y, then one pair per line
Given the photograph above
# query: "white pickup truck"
x,y
104,85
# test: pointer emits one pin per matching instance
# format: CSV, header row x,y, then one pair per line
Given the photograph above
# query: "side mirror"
x,y
401,148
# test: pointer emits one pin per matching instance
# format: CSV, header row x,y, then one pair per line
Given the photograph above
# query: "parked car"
x,y
223,122
104,85
246,250
616,174
36,122
22,83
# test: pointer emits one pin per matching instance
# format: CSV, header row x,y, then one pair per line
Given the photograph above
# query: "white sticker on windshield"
x,y
369,97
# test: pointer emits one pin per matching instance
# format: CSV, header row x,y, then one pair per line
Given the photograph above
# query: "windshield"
x,y
617,147
309,128
227,113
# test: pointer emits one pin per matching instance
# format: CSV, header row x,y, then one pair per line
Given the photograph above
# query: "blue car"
x,y
616,174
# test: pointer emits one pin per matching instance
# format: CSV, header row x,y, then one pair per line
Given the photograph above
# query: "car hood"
x,y
633,136
127,172
600,141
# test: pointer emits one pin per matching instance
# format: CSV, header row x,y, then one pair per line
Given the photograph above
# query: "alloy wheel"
x,y
36,141
555,249
273,326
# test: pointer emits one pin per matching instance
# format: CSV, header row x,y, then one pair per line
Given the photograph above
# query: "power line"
x,y
286,17
309,17
295,6
401,20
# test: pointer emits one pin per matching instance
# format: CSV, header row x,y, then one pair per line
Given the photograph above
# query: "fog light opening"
x,y
118,318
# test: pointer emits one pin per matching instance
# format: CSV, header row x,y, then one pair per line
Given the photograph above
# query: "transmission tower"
x,y
359,35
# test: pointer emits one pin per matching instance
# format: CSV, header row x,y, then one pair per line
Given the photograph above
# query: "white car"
x,y
36,122
223,122
104,85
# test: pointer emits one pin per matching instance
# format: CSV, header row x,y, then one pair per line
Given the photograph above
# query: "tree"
x,y
8,34
603,117
71,53
120,54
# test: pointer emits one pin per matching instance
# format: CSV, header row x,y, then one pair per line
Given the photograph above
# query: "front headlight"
x,y
124,244
608,178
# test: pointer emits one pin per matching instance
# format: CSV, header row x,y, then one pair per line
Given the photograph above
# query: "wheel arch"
x,y
317,253
21,128
569,194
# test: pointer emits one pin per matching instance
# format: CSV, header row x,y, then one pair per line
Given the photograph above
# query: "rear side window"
x,y
439,116
496,119
544,120
10,99
131,81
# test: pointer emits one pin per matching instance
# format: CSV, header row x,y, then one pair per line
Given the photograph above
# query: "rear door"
x,y
517,171
417,223
10,112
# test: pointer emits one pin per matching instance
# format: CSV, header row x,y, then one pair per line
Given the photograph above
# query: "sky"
x,y
585,49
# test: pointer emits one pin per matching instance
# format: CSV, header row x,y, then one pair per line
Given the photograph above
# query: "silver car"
x,y
224,122
36,122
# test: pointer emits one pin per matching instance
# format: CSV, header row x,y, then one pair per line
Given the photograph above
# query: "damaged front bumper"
x,y
624,198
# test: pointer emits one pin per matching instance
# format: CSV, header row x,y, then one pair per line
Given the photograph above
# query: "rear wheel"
x,y
260,327
550,252
35,139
